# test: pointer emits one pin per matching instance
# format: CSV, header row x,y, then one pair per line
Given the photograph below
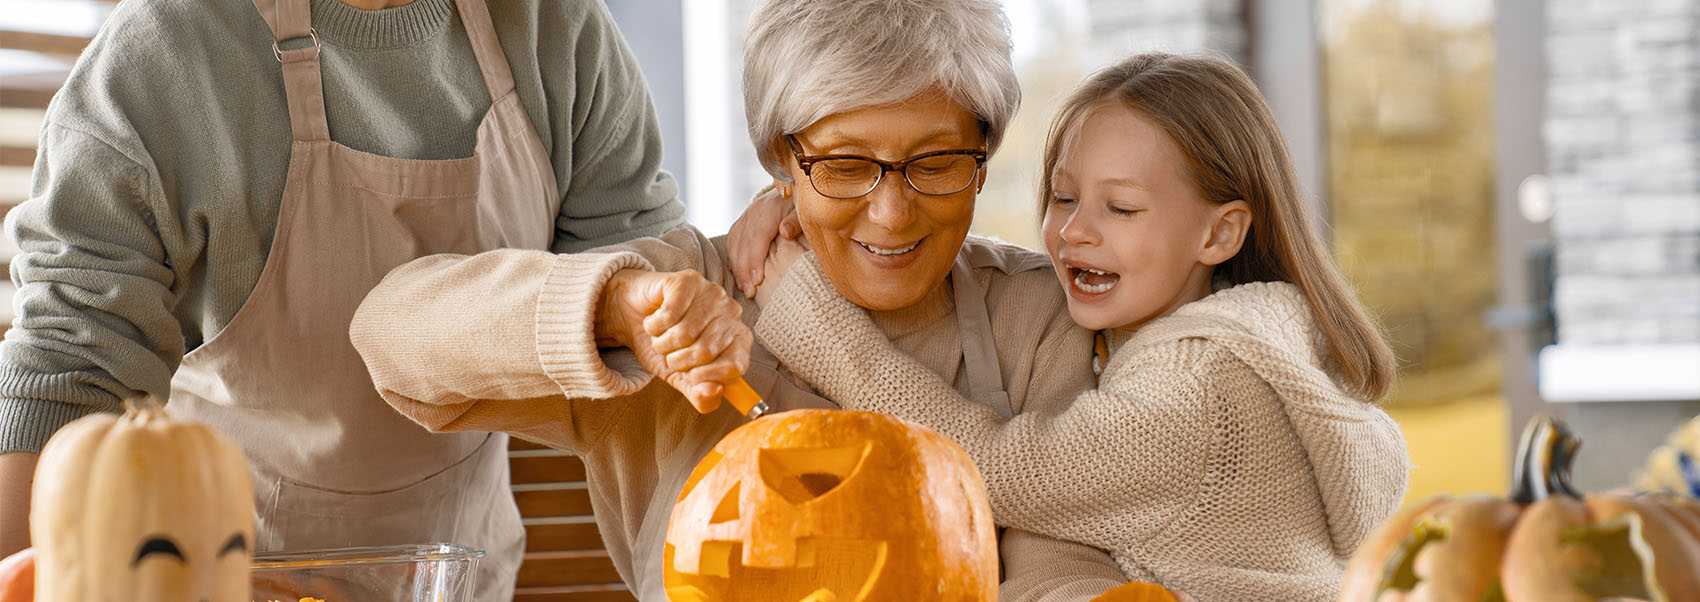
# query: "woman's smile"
x,y
889,256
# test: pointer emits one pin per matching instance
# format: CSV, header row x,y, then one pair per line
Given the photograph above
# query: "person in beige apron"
x,y
333,465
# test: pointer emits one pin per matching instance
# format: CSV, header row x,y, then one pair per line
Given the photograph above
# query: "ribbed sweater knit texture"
x,y
505,341
162,160
1216,457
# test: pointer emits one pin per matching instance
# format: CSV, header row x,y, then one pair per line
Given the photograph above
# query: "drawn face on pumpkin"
x,y
151,509
825,505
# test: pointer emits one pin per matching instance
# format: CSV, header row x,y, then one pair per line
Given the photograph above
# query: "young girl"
x,y
1231,451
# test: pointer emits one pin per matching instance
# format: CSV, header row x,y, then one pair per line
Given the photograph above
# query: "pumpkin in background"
x,y
832,506
1137,591
1547,543
141,507
17,577
1675,466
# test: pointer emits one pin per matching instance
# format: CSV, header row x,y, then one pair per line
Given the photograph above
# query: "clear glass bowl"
x,y
412,573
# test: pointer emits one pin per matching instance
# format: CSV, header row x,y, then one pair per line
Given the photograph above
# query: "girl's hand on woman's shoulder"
x,y
768,221
683,327
785,253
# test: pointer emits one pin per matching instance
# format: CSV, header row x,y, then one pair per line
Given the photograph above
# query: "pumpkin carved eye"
x,y
728,508
157,545
801,475
707,464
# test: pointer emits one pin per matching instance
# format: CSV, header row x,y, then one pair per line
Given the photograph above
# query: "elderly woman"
x,y
875,117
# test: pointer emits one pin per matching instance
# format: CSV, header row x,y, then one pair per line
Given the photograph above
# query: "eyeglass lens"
x,y
934,175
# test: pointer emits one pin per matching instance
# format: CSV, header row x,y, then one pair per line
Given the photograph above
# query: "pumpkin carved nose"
x,y
802,475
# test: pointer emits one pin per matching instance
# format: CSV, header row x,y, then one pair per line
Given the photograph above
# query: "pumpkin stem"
x,y
144,408
1543,461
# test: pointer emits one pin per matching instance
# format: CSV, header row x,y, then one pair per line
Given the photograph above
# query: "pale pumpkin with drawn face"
x,y
826,505
142,508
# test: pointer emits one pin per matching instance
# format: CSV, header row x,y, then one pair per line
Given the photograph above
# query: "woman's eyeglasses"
x,y
849,176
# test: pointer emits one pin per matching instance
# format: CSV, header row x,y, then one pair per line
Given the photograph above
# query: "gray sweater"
x,y
156,191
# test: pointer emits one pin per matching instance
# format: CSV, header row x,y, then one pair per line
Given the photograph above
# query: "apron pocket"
x,y
298,516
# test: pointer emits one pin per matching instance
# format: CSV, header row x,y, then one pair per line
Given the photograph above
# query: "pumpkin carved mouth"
x,y
826,570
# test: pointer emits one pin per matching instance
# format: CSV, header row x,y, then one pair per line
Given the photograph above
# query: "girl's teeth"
x,y
1093,281
888,252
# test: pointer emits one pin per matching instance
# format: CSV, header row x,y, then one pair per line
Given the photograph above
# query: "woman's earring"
x,y
784,191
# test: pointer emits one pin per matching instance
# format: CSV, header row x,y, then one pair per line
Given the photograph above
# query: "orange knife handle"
x,y
744,398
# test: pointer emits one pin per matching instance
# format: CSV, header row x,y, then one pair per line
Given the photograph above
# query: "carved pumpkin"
x,y
1547,543
142,508
832,506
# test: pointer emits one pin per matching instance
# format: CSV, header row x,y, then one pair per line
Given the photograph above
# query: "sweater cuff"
x,y
29,423
566,327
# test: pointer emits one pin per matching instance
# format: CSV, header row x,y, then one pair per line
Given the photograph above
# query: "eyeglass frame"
x,y
806,162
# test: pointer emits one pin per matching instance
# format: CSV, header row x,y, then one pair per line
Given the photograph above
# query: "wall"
x,y
1623,136
1622,130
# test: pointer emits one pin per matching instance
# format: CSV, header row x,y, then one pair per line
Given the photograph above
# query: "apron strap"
x,y
302,87
498,78
288,19
979,347
767,378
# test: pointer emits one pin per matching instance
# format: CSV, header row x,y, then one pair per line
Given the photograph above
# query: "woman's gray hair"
x,y
807,59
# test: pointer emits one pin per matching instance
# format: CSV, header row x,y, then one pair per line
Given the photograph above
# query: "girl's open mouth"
x,y
1093,282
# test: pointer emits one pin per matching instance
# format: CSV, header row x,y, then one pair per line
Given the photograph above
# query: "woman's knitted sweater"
x,y
1218,456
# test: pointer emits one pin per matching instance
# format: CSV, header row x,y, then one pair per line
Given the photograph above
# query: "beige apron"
x,y
333,465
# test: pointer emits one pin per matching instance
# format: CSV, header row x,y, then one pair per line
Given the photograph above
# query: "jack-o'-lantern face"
x,y
826,505
142,508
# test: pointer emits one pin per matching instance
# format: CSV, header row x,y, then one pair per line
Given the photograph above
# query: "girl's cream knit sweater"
x,y
1219,456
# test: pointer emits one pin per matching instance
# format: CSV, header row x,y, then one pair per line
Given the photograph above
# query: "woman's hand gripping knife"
x,y
683,328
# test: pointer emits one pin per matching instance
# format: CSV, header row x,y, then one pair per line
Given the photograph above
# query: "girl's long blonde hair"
x,y
1234,151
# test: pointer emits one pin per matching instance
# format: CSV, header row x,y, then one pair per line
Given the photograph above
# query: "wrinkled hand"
x,y
684,329
769,218
784,253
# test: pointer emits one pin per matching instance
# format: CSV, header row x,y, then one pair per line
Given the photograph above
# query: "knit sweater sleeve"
x,y
608,149
1044,569
1066,473
504,340
95,295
